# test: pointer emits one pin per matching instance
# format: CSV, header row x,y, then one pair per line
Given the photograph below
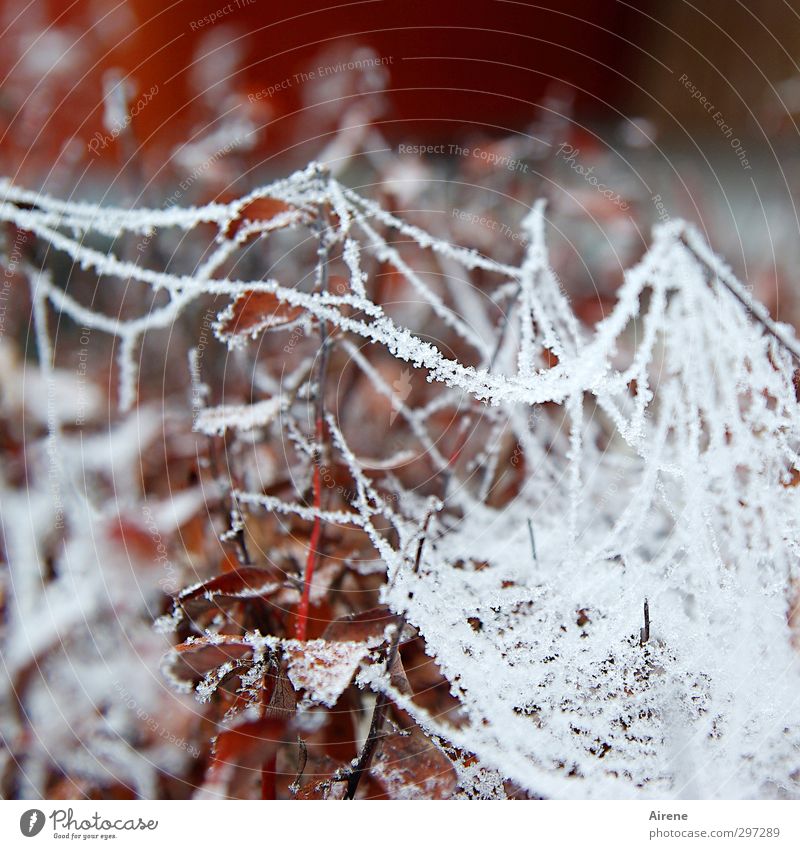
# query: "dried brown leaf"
x,y
410,766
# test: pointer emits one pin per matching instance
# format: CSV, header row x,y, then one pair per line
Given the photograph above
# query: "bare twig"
x,y
237,534
240,535
533,541
644,633
421,544
378,718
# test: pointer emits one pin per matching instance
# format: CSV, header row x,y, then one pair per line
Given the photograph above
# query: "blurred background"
x,y
681,110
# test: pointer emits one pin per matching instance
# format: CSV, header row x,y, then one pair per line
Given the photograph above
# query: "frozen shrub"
x,y
565,560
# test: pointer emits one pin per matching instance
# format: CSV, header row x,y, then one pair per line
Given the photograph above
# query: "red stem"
x,y
268,778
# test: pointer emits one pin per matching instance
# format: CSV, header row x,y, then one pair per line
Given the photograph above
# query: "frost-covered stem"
x,y
378,718
461,441
301,623
236,530
382,702
491,466
240,537
755,310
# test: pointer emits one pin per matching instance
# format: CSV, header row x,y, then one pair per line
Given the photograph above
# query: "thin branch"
x,y
240,534
382,702
644,633
378,718
301,623
757,312
533,541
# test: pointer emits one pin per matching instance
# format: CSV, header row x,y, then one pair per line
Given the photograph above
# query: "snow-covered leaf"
x,y
324,669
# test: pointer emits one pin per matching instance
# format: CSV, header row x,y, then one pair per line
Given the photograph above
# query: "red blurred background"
x,y
608,73
453,64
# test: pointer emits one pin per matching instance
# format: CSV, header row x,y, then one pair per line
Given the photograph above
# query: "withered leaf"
x,y
225,589
240,754
410,766
324,669
189,662
254,312
368,626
